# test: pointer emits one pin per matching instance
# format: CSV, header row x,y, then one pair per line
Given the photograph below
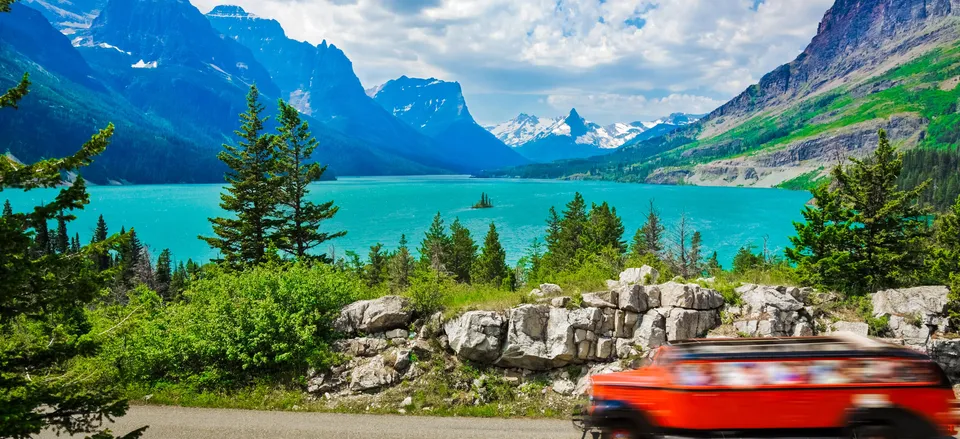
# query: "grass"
x,y
805,181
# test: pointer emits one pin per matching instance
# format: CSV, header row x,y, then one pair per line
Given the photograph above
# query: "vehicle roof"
x,y
842,345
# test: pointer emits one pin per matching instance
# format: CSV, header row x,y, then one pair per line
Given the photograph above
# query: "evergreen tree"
x,y
179,280
491,266
43,301
193,269
713,265
463,252
75,244
300,220
553,230
945,260
41,237
7,210
746,260
535,258
401,267
435,247
604,230
164,274
679,256
252,193
695,257
868,234
62,242
376,271
99,236
649,238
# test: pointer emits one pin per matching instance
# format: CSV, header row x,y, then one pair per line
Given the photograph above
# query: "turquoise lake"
x,y
380,209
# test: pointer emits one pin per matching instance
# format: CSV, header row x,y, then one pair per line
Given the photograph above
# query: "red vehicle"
x,y
812,386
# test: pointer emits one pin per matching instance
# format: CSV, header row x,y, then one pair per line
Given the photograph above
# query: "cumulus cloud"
x,y
615,60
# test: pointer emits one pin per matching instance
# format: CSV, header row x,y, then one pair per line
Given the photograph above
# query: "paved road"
x,y
186,423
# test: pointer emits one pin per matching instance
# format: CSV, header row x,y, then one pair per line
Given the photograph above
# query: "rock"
x,y
536,292
371,316
613,284
603,299
560,302
543,338
909,330
908,302
803,329
365,346
564,386
645,275
372,374
687,323
857,328
476,335
652,332
398,359
408,401
551,290
636,298
758,299
946,353
395,334
625,348
605,348
689,296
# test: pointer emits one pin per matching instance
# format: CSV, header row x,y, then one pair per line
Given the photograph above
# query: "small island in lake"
x,y
484,202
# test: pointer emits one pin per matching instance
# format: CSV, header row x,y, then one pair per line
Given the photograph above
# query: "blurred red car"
x,y
808,386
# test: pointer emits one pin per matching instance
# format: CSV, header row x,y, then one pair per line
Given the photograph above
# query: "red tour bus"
x,y
842,385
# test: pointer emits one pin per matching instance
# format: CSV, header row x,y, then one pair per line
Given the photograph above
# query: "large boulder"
x,y
603,299
689,323
374,316
689,296
758,299
551,290
476,335
645,275
769,311
911,330
373,374
542,338
364,346
652,331
637,298
909,302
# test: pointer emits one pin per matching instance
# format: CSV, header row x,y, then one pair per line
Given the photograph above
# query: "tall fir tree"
x,y
649,238
62,241
435,247
75,244
866,234
491,266
401,267
164,274
604,230
179,280
463,252
299,230
41,237
100,235
7,209
252,194
679,255
43,304
713,265
695,257
376,271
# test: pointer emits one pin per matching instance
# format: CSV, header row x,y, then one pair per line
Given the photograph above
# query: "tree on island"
x,y
300,220
252,194
484,203
864,234
43,301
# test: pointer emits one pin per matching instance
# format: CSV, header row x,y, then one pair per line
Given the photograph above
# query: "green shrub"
x,y
428,291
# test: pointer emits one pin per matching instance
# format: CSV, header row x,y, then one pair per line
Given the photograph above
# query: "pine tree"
x,y
43,304
651,233
867,234
553,230
75,244
41,238
252,194
491,266
62,242
179,281
463,252
164,274
713,265
604,230
300,220
401,267
945,260
435,247
99,236
376,271
679,255
7,210
695,257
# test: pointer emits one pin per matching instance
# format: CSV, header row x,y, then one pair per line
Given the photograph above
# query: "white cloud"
x,y
652,57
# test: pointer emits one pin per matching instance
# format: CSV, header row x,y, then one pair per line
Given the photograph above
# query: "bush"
x,y
231,328
428,291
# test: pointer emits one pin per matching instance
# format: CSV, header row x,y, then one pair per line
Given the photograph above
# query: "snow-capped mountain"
x,y
572,136
438,109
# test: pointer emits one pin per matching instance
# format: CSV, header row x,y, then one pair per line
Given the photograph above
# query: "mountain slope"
x,y
66,105
69,16
546,140
891,64
320,82
438,109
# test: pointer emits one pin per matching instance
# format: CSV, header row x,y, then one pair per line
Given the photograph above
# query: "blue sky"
x,y
614,60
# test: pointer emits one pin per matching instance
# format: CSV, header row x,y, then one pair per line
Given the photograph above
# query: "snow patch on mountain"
x,y
145,65
526,128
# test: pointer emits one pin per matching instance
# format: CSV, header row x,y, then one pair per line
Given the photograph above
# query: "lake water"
x,y
380,209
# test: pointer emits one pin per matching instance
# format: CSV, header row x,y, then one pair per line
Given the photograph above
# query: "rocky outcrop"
x,y
857,328
769,311
476,335
910,310
374,316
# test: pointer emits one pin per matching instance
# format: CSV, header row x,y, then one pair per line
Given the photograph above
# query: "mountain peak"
x,y
577,124
230,11
426,104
